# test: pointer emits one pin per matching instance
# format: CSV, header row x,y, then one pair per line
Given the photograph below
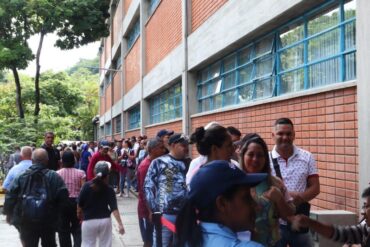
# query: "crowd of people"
x,y
237,192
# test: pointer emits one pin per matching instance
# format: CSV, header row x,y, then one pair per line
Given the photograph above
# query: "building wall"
x,y
101,106
132,66
129,134
108,97
325,124
163,32
117,137
126,5
108,48
201,10
117,23
176,126
117,86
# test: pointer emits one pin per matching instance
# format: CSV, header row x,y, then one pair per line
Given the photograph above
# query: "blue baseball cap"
x,y
215,178
104,144
164,132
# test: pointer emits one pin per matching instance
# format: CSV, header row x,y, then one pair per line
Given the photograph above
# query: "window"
x,y
108,128
167,105
134,117
133,34
117,124
101,132
152,6
314,50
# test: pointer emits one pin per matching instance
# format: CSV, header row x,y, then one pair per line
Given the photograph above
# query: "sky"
x,y
56,59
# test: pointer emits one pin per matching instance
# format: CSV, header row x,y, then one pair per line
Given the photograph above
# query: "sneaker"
x,y
127,195
121,194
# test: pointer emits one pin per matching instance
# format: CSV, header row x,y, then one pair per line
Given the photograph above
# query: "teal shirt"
x,y
218,235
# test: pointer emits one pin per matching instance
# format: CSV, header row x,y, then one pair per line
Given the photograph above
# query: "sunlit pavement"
x,y
128,209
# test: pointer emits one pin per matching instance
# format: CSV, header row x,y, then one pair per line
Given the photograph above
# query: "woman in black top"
x,y
96,202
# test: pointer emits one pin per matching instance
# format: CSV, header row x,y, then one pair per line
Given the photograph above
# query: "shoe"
x,y
120,194
127,195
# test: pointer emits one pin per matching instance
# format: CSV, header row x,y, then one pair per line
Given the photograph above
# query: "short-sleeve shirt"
x,y
72,178
296,170
97,204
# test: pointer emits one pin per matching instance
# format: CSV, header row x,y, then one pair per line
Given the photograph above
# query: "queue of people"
x,y
235,193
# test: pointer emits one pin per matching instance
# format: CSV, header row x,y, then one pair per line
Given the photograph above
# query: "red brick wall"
x,y
117,87
325,124
132,66
126,5
117,137
117,22
129,134
108,95
163,32
101,106
102,59
201,10
151,132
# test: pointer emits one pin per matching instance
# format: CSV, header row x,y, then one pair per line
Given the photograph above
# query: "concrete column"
x,y
144,105
363,89
184,76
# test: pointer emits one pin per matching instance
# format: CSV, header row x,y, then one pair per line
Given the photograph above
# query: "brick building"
x,y
181,64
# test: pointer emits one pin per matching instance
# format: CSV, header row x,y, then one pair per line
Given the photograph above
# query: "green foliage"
x,y
68,104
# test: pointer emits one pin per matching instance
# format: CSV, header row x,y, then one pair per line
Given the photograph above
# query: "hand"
x,y
273,194
297,198
150,219
121,230
279,183
299,221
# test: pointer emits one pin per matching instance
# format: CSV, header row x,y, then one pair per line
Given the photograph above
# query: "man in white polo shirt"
x,y
297,168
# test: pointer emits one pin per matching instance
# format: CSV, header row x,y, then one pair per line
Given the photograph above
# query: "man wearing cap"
x,y
165,187
164,135
102,154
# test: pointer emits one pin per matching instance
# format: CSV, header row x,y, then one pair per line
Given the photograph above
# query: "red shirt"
x,y
99,157
142,170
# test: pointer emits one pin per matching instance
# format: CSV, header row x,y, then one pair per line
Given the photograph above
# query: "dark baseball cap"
x,y
104,144
178,138
215,178
164,132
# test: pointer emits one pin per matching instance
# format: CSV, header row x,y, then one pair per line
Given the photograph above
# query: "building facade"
x,y
180,64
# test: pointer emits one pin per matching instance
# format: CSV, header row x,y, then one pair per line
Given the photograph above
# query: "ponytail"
x,y
98,183
188,231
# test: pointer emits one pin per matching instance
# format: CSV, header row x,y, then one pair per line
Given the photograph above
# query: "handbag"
x,y
303,208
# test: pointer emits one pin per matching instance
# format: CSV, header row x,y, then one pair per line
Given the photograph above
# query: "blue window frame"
x,y
117,124
167,105
314,50
108,128
152,6
134,118
133,34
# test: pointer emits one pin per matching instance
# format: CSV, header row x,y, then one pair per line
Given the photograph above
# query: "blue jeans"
x,y
167,235
125,176
294,239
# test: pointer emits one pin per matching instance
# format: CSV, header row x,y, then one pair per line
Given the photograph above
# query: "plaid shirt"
x,y
72,178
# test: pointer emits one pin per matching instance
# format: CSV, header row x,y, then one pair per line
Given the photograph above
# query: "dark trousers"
x,y
70,224
31,235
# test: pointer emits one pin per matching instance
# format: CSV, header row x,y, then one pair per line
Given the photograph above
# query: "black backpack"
x,y
35,198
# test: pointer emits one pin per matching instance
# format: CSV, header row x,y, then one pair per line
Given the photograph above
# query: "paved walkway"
x,y
128,210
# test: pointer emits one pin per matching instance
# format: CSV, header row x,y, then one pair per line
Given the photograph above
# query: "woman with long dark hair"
x,y
96,202
271,195
218,206
213,143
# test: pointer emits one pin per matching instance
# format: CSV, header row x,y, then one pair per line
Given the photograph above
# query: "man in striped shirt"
x,y
355,234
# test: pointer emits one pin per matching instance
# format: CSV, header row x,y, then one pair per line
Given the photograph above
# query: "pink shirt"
x,y
72,178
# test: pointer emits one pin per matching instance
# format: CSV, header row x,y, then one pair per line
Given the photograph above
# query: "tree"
x,y
14,51
76,23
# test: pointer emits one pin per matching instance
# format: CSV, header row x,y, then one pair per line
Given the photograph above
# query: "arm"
x,y
323,229
150,186
90,168
313,188
284,208
117,216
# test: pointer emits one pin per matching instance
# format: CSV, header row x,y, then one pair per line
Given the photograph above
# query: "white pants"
x,y
92,230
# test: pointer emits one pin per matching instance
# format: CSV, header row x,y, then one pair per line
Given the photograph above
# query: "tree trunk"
x,y
37,78
18,94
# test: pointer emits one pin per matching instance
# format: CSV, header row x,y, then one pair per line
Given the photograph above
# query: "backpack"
x,y
35,201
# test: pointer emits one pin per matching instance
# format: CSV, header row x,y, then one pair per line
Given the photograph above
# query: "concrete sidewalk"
x,y
128,209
